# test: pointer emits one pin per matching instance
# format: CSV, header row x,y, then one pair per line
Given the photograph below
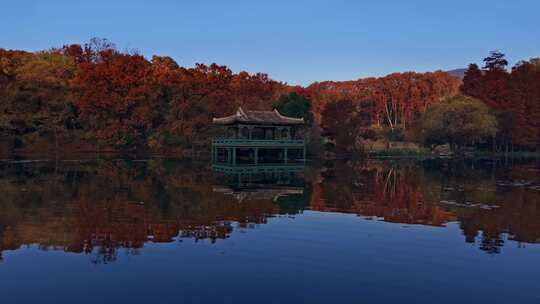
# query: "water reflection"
x,y
283,184
490,203
98,207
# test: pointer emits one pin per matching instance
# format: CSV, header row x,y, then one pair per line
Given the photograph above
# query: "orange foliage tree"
x,y
395,99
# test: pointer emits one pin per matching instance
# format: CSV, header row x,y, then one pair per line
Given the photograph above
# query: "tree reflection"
x,y
97,208
101,207
372,190
489,204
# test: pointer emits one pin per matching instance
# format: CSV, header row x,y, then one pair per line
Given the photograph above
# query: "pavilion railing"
x,y
250,168
258,142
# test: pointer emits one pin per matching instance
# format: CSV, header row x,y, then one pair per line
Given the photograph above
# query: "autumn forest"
x,y
94,97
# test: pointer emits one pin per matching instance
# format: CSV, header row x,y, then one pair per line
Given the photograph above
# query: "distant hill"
x,y
458,73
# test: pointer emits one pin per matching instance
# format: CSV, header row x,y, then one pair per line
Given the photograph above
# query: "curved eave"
x,y
224,120
251,117
291,120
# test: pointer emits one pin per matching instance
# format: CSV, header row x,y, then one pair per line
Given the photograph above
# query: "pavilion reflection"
x,y
263,181
283,185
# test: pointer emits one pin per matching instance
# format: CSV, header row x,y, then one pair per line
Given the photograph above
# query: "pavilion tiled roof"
x,y
258,117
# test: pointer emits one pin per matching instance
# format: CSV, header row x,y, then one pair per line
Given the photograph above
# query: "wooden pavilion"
x,y
255,137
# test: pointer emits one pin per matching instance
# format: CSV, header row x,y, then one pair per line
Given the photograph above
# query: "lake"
x,y
168,231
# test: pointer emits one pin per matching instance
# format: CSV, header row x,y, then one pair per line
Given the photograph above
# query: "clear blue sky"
x,y
294,41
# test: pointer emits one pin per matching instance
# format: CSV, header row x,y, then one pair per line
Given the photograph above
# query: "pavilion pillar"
x,y
234,156
304,152
256,156
285,152
229,158
250,128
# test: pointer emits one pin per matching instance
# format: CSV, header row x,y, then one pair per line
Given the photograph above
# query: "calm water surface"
x,y
163,231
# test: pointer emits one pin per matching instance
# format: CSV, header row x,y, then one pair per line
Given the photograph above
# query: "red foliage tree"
x,y
113,91
513,97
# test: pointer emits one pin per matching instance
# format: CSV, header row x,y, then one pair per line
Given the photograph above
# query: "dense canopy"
x,y
93,97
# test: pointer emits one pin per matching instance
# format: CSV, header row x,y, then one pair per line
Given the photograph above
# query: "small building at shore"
x,y
258,137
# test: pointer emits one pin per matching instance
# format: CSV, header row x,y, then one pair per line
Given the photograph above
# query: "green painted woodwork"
x,y
259,138
279,143
260,168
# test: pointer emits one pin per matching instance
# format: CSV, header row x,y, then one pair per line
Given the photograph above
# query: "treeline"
x,y
94,93
95,97
101,97
491,109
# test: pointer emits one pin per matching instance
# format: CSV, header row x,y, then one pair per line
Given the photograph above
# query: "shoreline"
x,y
205,156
